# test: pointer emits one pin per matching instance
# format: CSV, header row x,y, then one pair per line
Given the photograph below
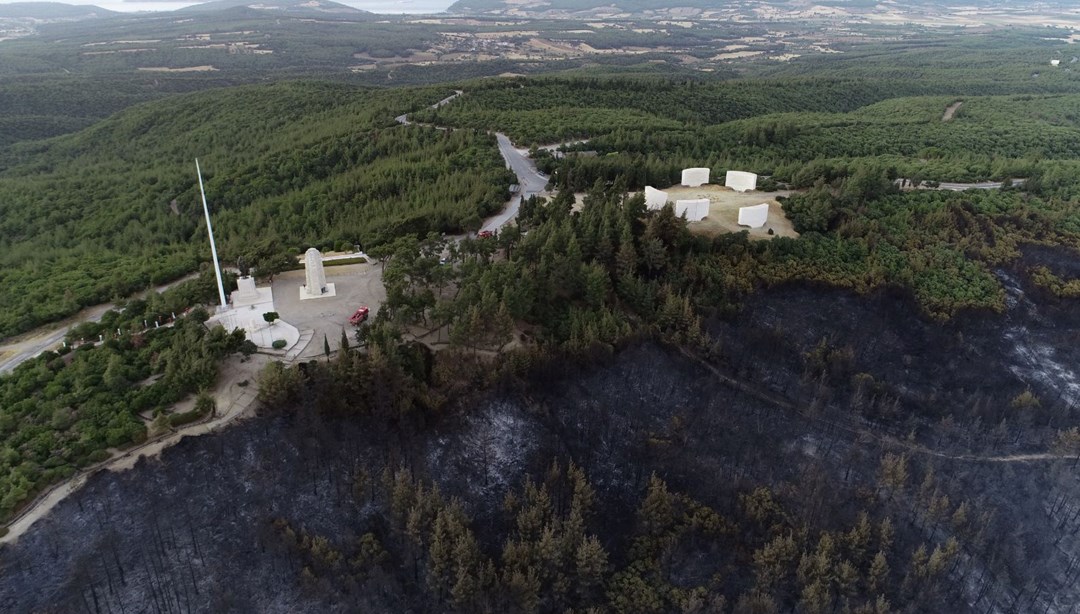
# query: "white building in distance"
x,y
655,199
741,181
694,177
755,216
695,210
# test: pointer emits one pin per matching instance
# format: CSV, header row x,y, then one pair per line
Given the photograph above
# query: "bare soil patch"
x,y
724,205
951,111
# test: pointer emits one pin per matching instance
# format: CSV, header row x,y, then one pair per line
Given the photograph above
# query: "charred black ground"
x,y
805,426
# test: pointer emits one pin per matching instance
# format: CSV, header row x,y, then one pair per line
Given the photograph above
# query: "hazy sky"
x,y
376,6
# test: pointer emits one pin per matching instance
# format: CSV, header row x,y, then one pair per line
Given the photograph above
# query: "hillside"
x,y
998,12
47,11
870,405
320,8
112,209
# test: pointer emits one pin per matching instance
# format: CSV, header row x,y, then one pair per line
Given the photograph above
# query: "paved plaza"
x,y
355,285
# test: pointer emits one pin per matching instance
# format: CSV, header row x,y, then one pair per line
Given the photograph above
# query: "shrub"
x,y
187,417
279,344
98,455
247,348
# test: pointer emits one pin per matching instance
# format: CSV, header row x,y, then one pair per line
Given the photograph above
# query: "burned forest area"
x,y
833,451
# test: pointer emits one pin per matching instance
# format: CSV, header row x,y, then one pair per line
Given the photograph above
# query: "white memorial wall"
x,y
655,199
694,177
695,210
755,216
740,181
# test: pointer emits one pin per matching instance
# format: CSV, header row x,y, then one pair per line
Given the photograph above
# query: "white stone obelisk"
x,y
316,276
213,246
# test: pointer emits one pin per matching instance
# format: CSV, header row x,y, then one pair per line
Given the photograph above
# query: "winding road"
x,y
955,187
530,180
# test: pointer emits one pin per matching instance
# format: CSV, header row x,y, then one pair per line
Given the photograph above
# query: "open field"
x,y
724,206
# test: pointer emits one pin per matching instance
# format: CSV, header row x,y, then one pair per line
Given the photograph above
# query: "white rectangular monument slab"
x,y
755,216
694,177
655,199
695,210
741,181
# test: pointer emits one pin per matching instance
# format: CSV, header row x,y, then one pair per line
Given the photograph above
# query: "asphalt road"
x,y
532,182
46,338
960,187
403,119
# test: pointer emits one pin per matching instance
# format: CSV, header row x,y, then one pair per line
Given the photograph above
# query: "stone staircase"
x,y
301,345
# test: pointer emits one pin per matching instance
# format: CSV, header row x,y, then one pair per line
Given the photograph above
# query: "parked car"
x,y
359,317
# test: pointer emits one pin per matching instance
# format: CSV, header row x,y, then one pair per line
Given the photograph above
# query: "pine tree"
x,y
590,565
893,474
878,577
858,539
657,513
773,561
886,533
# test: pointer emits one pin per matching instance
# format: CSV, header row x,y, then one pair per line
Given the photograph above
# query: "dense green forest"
x,y
72,73
63,410
332,168
115,209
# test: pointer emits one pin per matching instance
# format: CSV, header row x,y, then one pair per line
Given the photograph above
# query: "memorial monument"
x,y
315,275
741,181
655,199
694,177
695,210
213,245
755,216
245,289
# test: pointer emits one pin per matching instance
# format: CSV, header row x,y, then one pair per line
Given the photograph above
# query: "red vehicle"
x,y
485,234
359,317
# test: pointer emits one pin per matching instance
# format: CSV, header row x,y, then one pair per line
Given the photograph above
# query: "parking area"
x,y
356,284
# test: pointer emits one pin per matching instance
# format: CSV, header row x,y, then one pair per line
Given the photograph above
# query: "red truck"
x,y
485,234
359,317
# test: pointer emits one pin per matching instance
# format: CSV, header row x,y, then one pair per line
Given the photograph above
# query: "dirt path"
x,y
233,401
951,111
914,448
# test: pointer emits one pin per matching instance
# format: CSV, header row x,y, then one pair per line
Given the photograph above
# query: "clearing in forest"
x,y
724,204
949,112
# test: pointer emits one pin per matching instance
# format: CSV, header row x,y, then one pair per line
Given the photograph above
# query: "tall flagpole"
x,y
213,246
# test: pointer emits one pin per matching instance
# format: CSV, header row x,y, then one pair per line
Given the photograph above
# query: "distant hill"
x,y
762,8
290,7
51,10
